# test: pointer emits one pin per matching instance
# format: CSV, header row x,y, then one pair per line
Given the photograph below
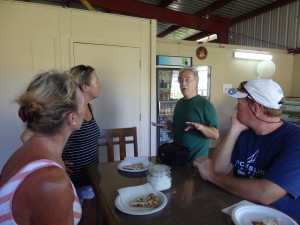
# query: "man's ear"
x,y
257,107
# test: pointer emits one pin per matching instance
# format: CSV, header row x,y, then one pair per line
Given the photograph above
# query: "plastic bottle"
x,y
172,109
162,85
163,109
168,111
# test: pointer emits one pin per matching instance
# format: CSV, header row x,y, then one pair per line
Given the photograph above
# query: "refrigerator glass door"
x,y
168,94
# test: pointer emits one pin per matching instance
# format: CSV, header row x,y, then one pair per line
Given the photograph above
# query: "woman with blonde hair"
x,y
34,186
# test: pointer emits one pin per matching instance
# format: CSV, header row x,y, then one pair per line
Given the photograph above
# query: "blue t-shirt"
x,y
275,157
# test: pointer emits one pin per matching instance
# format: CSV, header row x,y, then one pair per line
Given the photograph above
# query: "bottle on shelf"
x,y
162,83
163,109
168,84
168,109
162,96
167,96
172,109
169,119
163,119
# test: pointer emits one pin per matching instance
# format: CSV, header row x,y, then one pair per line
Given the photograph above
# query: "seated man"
x,y
259,158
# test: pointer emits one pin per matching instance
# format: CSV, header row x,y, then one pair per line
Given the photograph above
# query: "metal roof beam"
x,y
168,31
261,10
145,10
212,7
222,36
198,36
219,19
87,5
202,13
293,51
165,3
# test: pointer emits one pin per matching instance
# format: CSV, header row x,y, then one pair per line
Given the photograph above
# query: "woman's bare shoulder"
x,y
48,195
50,180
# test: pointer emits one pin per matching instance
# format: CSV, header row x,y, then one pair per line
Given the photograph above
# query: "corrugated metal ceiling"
x,y
189,7
238,8
276,29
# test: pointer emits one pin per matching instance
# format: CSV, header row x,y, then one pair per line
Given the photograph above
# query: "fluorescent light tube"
x,y
252,55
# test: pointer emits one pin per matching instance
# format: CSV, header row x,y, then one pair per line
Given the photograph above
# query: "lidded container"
x,y
159,176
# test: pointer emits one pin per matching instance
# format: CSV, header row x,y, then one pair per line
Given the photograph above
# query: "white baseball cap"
x,y
265,92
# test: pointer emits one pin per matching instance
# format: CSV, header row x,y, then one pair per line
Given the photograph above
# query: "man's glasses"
x,y
242,89
187,80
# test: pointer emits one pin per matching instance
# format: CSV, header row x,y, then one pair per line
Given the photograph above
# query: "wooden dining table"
x,y
191,200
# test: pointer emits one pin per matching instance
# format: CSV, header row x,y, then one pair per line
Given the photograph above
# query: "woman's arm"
x,y
47,197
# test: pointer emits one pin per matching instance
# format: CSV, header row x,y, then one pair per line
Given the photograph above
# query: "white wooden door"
x,y
118,69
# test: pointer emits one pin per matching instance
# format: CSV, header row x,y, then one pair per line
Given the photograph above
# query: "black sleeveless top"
x,y
82,149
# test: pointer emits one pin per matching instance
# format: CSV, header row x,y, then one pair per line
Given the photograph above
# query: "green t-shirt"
x,y
198,110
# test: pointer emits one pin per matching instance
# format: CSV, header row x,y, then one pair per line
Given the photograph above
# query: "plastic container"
x,y
159,176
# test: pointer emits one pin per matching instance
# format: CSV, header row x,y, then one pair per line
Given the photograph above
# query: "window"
x,y
204,81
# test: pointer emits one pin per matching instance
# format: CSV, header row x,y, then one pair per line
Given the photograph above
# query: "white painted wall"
x,y
37,37
296,76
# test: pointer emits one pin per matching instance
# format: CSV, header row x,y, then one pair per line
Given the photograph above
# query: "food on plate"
x,y
137,166
149,201
268,222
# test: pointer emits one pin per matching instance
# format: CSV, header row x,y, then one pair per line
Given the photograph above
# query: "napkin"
x,y
127,194
134,160
229,209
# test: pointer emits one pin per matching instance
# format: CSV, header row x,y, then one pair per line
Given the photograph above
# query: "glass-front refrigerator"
x,y
168,93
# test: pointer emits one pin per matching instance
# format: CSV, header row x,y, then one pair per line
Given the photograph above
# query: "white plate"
x,y
244,215
162,202
124,163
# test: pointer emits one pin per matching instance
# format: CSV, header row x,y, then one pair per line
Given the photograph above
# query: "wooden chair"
x,y
108,138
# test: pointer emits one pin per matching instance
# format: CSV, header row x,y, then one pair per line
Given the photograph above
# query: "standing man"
x,y
259,158
195,119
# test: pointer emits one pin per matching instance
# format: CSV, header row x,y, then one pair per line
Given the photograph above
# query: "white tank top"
x,y
7,192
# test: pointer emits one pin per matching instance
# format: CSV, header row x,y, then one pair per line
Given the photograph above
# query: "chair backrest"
x,y
111,137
